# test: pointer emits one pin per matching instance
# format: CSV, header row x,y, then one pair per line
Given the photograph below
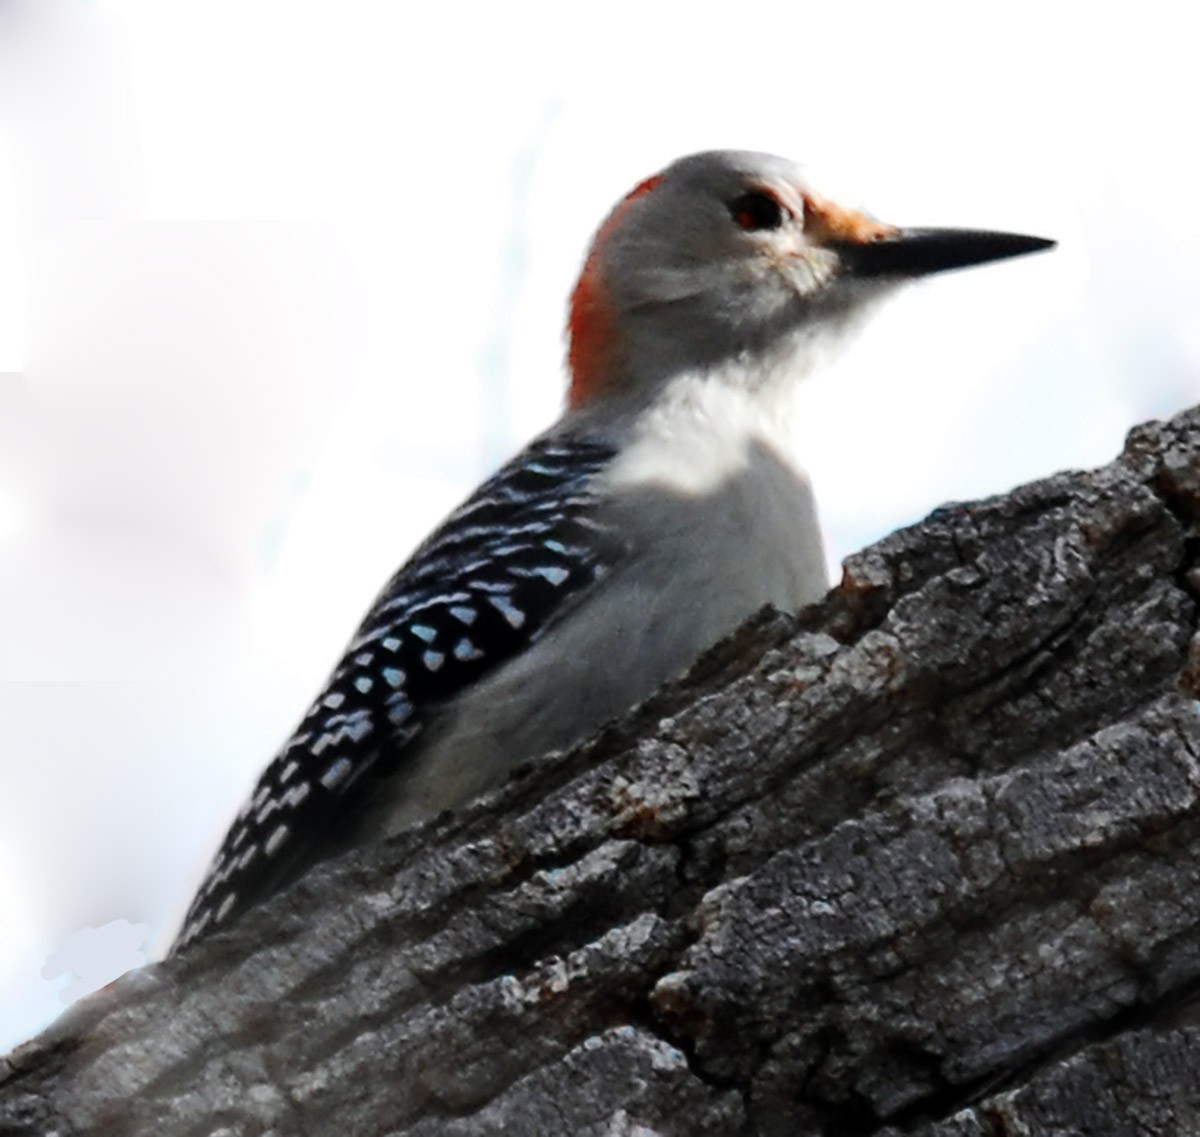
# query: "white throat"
x,y
705,428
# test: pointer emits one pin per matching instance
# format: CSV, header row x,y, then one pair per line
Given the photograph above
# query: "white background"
x,y
280,281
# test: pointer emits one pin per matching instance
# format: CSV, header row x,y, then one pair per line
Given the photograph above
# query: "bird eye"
x,y
754,211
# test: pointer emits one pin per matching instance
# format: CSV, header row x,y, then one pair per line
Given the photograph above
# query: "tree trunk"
x,y
923,859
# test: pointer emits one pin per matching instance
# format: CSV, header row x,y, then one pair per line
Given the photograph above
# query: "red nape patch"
x,y
590,319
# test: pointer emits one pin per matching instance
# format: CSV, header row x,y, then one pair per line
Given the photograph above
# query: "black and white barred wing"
x,y
483,585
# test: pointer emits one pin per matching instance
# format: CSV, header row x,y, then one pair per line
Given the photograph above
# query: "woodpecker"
x,y
662,509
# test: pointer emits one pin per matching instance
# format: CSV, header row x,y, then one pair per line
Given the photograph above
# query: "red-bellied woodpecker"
x,y
660,511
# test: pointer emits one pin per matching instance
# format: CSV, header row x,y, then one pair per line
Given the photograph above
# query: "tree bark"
x,y
922,859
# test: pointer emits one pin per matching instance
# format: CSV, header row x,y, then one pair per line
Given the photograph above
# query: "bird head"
x,y
730,256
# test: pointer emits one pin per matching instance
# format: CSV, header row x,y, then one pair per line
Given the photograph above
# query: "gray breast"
x,y
695,567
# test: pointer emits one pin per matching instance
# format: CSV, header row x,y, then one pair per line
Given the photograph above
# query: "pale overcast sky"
x,y
280,281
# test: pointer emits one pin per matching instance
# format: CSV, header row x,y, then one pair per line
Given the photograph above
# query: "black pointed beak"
x,y
917,252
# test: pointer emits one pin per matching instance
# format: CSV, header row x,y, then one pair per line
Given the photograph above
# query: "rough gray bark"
x,y
922,860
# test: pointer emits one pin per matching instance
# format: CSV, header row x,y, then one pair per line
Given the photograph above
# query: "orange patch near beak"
x,y
826,223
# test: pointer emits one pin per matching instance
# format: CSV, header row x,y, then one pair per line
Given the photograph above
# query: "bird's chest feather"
x,y
715,505
715,523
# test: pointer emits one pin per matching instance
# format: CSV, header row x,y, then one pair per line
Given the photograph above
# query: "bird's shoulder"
x,y
502,563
